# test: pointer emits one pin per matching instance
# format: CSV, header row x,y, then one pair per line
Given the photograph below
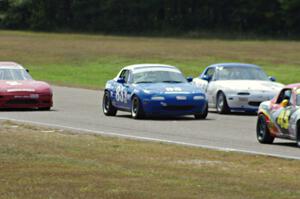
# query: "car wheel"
x,y
222,106
202,116
136,108
107,107
262,132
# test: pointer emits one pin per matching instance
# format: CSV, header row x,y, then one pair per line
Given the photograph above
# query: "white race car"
x,y
236,87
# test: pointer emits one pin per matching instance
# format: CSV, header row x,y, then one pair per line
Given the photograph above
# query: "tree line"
x,y
268,17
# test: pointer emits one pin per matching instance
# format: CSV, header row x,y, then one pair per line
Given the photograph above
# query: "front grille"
x,y
22,101
254,103
178,108
243,93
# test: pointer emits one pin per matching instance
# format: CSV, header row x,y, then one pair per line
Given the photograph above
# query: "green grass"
x,y
90,60
45,163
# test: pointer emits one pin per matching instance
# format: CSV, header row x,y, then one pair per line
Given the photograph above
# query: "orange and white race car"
x,y
280,117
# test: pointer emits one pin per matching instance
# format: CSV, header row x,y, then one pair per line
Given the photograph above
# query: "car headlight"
x,y
199,97
157,98
147,91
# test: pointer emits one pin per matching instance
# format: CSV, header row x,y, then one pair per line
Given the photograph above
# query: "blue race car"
x,y
153,89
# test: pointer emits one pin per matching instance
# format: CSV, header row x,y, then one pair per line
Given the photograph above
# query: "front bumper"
x,y
173,106
247,103
25,100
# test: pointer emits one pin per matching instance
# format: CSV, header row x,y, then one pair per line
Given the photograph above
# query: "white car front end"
x,y
241,95
247,95
247,100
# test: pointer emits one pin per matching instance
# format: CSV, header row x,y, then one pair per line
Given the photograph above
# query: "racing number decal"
x,y
283,119
121,94
176,89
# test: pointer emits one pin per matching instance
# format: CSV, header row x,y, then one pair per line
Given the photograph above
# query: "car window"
x,y
285,94
240,73
298,100
125,75
298,97
210,72
157,76
14,74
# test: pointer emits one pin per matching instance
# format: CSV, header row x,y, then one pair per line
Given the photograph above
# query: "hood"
x,y
248,85
169,88
24,85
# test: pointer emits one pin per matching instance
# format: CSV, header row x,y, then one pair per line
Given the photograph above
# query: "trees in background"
x,y
273,17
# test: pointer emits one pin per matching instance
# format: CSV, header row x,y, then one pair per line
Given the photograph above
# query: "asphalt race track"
x,y
80,109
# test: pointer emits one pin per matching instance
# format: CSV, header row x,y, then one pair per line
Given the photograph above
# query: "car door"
x,y
294,114
283,109
122,89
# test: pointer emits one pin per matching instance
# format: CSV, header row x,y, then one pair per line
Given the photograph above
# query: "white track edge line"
x,y
152,139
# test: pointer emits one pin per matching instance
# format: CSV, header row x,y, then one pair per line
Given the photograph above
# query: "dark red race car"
x,y
19,90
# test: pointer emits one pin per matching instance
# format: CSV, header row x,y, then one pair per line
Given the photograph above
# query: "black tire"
x,y
202,116
262,132
137,111
221,104
107,107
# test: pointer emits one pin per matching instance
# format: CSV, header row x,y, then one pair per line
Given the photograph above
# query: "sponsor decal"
x,y
174,89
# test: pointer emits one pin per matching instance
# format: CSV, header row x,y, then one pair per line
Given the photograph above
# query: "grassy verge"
x,y
44,163
90,60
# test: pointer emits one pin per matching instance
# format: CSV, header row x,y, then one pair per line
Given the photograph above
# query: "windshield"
x,y
158,76
298,97
14,74
298,100
240,73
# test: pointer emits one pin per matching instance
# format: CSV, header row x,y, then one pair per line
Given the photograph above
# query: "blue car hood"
x,y
168,88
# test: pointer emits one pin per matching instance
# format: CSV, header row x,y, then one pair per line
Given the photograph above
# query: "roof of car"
x,y
12,65
233,65
145,66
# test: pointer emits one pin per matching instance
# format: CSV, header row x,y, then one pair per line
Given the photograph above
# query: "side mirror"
x,y
273,79
206,78
27,70
121,80
189,79
284,103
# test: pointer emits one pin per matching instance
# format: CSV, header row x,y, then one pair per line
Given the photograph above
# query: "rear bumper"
x,y
27,100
